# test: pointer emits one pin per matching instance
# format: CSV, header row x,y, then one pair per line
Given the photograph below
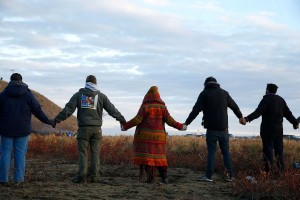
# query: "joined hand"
x,y
184,127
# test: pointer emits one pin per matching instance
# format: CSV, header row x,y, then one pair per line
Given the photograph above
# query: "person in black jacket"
x,y
17,104
272,108
214,101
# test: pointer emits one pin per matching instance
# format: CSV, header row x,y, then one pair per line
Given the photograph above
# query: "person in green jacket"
x,y
90,103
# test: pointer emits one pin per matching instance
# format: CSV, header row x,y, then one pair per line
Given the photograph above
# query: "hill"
x,y
51,110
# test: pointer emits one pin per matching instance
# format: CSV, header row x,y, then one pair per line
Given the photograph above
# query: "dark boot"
x,y
95,180
79,179
150,174
163,172
141,173
164,179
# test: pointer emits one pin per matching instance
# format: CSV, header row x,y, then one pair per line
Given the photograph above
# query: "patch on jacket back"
x,y
89,102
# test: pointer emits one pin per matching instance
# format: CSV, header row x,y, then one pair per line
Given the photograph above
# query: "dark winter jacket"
x,y
17,104
214,101
90,105
272,108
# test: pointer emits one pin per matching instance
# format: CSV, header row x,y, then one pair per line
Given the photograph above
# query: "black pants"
x,y
269,146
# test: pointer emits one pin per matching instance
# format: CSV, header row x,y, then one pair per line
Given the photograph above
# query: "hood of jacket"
x,y
16,89
88,92
212,85
153,96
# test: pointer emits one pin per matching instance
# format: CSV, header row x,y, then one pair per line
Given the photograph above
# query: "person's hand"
x,y
184,127
52,122
243,121
122,127
296,126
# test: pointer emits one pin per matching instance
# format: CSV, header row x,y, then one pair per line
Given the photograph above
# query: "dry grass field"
x,y
51,165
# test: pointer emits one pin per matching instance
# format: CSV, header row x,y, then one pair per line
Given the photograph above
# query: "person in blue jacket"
x,y
17,104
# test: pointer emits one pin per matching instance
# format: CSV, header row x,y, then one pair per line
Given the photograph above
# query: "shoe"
x,y
19,184
5,184
229,179
204,178
164,181
79,180
95,180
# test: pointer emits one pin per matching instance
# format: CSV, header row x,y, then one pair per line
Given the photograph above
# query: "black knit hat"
x,y
272,88
209,80
91,78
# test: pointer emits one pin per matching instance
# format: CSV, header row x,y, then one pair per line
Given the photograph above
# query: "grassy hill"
x,y
51,110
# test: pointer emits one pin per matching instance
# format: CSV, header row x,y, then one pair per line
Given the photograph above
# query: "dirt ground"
x,y
52,180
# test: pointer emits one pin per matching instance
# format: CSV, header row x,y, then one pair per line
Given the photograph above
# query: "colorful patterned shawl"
x,y
149,143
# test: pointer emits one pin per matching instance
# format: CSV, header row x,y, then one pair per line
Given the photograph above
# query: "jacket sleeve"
x,y
289,115
262,106
170,121
112,111
198,107
136,120
234,107
69,108
36,109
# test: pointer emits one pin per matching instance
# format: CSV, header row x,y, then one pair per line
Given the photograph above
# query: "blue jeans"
x,y
19,147
212,137
0,147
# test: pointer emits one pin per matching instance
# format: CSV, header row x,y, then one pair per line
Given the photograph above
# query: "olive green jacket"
x,y
90,105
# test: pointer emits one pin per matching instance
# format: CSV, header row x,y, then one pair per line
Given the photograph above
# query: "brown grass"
x,y
190,152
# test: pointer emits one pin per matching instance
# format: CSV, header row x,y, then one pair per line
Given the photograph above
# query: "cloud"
x,y
132,45
71,38
263,20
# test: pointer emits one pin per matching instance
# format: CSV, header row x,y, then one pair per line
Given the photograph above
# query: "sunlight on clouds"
x,y
131,70
21,19
134,70
102,53
71,38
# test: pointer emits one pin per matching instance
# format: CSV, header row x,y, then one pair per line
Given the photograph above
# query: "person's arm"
x,y
69,109
262,106
112,111
135,121
37,111
290,117
198,107
170,121
234,107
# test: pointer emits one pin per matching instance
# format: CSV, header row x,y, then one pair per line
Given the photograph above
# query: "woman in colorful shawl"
x,y
149,144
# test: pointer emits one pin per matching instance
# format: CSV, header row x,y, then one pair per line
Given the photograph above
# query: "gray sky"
x,y
131,45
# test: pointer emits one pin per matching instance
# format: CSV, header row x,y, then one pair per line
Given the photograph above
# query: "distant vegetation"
x,y
51,110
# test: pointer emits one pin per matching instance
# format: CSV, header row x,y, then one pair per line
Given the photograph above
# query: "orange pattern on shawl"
x,y
149,144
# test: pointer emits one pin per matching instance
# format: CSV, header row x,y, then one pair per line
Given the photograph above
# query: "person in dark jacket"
x,y
17,104
90,103
272,108
214,101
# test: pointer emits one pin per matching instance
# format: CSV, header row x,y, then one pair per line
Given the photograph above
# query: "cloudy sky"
x,y
131,45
